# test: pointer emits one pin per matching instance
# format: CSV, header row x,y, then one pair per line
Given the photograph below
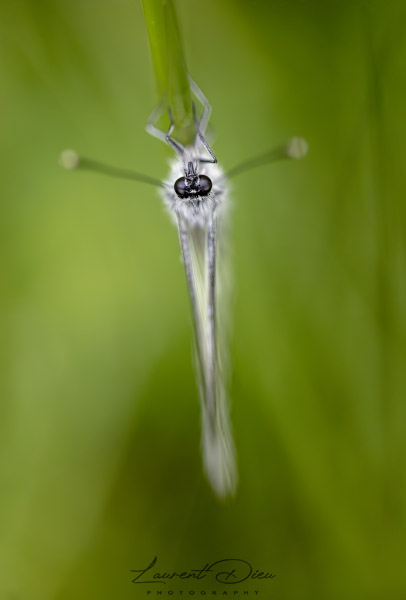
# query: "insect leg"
x,y
153,119
177,146
203,140
158,133
205,116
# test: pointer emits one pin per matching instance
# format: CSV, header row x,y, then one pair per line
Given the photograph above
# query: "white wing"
x,y
199,250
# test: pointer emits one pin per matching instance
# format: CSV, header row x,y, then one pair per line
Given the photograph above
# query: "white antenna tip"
x,y
297,148
69,159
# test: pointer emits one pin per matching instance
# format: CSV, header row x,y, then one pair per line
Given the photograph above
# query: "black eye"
x,y
181,187
204,185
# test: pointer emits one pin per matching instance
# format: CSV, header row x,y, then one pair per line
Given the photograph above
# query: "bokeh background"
x,y
99,414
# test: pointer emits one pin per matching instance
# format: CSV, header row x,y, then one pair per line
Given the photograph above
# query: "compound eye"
x,y
205,185
181,187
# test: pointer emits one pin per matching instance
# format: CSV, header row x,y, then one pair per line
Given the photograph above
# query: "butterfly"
x,y
196,196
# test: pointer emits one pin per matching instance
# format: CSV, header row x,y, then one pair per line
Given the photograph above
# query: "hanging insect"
x,y
196,196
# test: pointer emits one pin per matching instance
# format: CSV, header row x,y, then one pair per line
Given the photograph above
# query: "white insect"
x,y
196,197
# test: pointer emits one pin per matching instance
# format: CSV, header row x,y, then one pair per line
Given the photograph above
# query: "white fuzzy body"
x,y
199,226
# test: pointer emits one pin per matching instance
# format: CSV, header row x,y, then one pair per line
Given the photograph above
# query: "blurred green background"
x,y
99,413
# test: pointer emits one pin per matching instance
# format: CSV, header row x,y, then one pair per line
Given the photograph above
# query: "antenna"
x,y
295,148
69,159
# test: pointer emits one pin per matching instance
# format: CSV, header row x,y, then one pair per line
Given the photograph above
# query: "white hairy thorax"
x,y
195,211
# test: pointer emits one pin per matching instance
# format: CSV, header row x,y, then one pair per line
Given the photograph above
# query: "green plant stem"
x,y
169,65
